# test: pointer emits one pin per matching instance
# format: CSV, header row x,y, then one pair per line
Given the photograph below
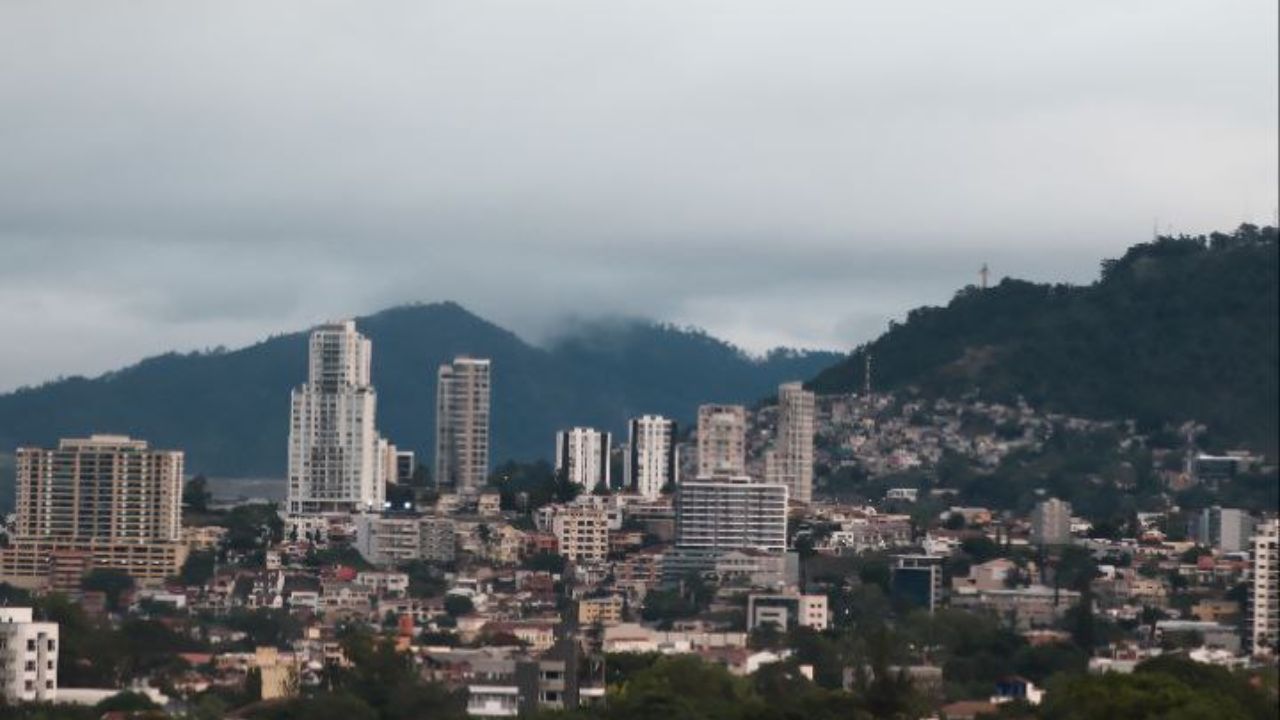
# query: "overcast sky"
x,y
184,175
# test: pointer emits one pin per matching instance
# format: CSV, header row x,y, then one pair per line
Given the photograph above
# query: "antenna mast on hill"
x,y
983,273
866,375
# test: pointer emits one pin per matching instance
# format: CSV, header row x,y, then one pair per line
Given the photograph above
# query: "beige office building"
x,y
790,462
722,440
109,497
462,424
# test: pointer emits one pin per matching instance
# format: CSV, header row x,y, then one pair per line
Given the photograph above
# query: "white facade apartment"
x,y
652,461
791,462
582,454
582,533
731,513
28,657
337,462
722,440
462,424
1264,595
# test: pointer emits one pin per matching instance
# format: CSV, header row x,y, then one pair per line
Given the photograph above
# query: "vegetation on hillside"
x,y
1181,328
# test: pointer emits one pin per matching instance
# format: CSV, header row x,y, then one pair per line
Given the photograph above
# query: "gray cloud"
x,y
184,176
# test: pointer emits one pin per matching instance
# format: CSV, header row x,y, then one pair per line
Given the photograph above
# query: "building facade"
x,y
1227,529
791,461
652,457
337,462
1264,590
722,440
582,533
109,500
28,657
786,611
463,391
1051,522
731,513
582,456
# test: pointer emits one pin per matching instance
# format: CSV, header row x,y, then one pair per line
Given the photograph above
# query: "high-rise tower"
x,y
462,424
651,462
334,459
722,440
791,462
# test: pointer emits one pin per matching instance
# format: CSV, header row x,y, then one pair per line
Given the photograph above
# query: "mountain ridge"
x,y
229,408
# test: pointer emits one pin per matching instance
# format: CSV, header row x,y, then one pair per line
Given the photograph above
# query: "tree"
x,y
110,582
198,568
196,495
458,605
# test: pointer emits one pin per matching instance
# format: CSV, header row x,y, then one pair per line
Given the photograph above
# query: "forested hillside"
x,y
1179,328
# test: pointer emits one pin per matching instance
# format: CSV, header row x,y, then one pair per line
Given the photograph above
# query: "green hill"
x,y
1179,328
230,409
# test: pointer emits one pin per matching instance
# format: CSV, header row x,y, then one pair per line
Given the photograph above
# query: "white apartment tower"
x,y
1264,592
722,440
28,657
110,500
731,513
651,461
337,461
462,424
582,455
791,461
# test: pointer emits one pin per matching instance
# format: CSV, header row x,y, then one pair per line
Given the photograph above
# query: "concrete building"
x,y
722,440
917,580
1225,529
462,424
582,455
790,462
652,460
1264,590
582,533
1051,522
109,497
605,610
731,513
337,462
28,657
395,539
787,610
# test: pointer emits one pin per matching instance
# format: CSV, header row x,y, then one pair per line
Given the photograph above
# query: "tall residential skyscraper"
x,y
791,461
731,513
722,440
1264,592
582,454
107,501
651,455
462,424
336,459
1051,522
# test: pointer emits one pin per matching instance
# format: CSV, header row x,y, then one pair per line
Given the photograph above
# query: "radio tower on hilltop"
x,y
982,274
866,375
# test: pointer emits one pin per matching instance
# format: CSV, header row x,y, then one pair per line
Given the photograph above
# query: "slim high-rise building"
x,y
791,461
652,462
337,462
582,455
109,500
1051,522
1227,529
1264,590
462,424
731,513
722,440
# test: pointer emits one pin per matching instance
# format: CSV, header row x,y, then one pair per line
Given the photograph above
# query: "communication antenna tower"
x,y
866,375
983,273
